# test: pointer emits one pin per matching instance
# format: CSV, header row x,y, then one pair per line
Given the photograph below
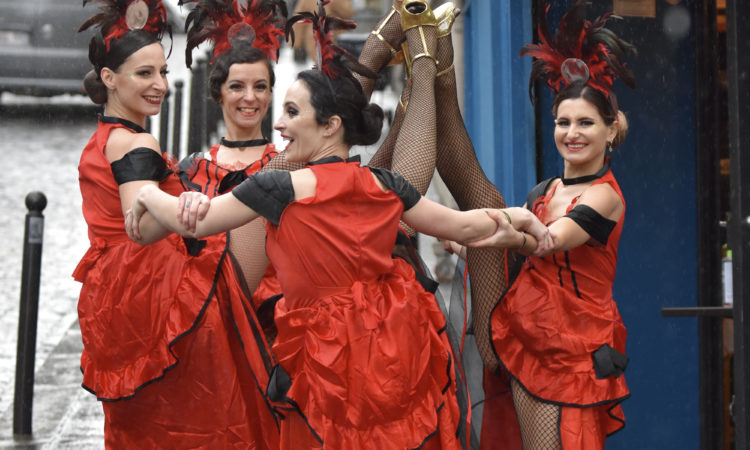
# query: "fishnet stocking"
x,y
539,421
247,244
279,162
375,54
384,156
458,167
414,151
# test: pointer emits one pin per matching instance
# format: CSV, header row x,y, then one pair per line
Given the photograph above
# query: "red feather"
x,y
333,60
599,48
112,19
212,20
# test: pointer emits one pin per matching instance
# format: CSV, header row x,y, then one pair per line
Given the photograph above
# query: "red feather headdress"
x,y
580,51
228,22
117,17
332,59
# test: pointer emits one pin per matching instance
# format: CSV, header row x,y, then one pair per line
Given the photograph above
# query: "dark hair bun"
x,y
94,87
371,125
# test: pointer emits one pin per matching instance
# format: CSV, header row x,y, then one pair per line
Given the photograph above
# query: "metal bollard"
x,y
27,322
198,100
164,122
177,126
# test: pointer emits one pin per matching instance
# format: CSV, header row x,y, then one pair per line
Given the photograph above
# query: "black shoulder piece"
x,y
408,194
537,192
267,193
140,164
593,223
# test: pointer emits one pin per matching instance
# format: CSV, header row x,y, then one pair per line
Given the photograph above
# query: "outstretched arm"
x,y
505,228
517,229
432,218
225,213
513,235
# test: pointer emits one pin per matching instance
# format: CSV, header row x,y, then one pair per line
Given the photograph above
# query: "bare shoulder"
x,y
122,141
304,182
603,199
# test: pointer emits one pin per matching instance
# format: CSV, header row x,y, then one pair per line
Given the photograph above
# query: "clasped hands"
x,y
191,207
507,236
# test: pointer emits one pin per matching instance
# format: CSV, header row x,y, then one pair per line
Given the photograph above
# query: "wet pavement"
x,y
41,145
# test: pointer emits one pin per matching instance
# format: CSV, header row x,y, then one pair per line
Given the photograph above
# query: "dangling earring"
x,y
609,146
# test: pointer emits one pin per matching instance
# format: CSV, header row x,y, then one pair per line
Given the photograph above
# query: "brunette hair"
x,y
602,104
120,50
362,120
236,55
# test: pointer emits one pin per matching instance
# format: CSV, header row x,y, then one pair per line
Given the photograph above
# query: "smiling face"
x,y
245,97
137,88
581,136
297,124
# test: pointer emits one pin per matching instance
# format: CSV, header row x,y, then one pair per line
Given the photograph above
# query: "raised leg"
x,y
459,168
383,46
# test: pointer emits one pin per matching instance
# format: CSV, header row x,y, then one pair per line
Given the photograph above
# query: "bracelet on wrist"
x,y
523,243
507,216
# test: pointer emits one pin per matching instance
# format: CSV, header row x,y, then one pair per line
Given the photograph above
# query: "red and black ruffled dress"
x,y
363,344
171,347
558,333
201,172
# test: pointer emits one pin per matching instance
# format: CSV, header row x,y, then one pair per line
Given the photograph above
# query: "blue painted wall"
x,y
498,112
656,170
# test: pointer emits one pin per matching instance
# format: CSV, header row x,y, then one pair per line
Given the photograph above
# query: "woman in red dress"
x,y
557,332
241,81
172,349
364,360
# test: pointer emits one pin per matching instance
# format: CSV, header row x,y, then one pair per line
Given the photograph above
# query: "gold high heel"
x,y
422,17
446,16
397,57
